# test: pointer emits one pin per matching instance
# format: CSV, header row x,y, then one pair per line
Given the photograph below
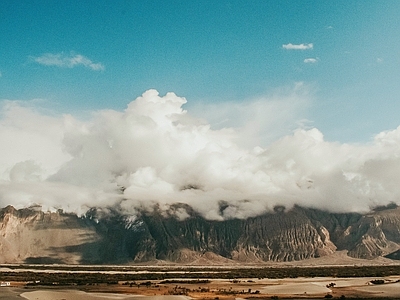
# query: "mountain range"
x,y
102,236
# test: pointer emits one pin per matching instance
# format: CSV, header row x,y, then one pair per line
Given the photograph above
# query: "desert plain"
x,y
286,288
286,281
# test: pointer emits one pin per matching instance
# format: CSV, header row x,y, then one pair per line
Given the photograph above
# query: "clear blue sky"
x,y
88,55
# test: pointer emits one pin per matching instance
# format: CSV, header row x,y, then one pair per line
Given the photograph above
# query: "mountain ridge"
x,y
30,235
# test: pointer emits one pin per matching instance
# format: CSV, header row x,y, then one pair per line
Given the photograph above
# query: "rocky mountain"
x,y
32,236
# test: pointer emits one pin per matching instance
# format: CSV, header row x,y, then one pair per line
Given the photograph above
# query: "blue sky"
x,y
276,103
90,55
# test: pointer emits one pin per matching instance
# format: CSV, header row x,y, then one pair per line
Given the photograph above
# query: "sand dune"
x,y
79,295
309,288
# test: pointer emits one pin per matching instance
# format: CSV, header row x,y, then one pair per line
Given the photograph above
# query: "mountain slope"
x,y
32,236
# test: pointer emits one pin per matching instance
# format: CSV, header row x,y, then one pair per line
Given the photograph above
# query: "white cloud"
x,y
379,60
261,120
67,61
30,136
159,153
311,60
298,47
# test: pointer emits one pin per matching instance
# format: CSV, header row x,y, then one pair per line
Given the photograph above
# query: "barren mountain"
x,y
32,236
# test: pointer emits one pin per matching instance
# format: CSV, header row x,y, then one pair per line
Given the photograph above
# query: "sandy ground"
x,y
79,295
305,288
222,289
351,287
386,290
71,295
7,293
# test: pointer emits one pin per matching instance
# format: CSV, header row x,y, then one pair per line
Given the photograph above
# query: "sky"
x,y
276,101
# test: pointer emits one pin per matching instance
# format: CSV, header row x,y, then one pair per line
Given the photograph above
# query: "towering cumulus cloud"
x,y
155,152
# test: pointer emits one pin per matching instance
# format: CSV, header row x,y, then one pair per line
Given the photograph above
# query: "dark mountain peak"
x,y
389,206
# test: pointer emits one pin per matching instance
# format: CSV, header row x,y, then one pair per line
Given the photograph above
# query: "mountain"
x,y
103,237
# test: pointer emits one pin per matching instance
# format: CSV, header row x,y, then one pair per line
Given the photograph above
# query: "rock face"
x,y
32,236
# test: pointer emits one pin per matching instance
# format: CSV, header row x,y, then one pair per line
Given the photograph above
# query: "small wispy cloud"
x,y
379,60
71,60
291,46
311,60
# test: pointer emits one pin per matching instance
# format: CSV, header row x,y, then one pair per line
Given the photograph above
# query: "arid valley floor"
x,y
167,282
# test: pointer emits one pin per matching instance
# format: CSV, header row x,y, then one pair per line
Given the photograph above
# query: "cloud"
x,y
67,61
156,152
311,60
298,47
259,121
30,135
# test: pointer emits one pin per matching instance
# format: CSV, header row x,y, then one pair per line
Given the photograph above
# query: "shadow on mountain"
x,y
94,252
394,255
43,260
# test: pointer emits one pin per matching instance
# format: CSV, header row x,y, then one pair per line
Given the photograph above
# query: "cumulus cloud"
x,y
311,60
261,120
71,60
291,46
156,152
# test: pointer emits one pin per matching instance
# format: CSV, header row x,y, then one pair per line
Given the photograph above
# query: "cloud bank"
x,y
156,152
67,61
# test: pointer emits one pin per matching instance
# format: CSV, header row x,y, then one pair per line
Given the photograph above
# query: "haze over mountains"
x,y
106,236
157,153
